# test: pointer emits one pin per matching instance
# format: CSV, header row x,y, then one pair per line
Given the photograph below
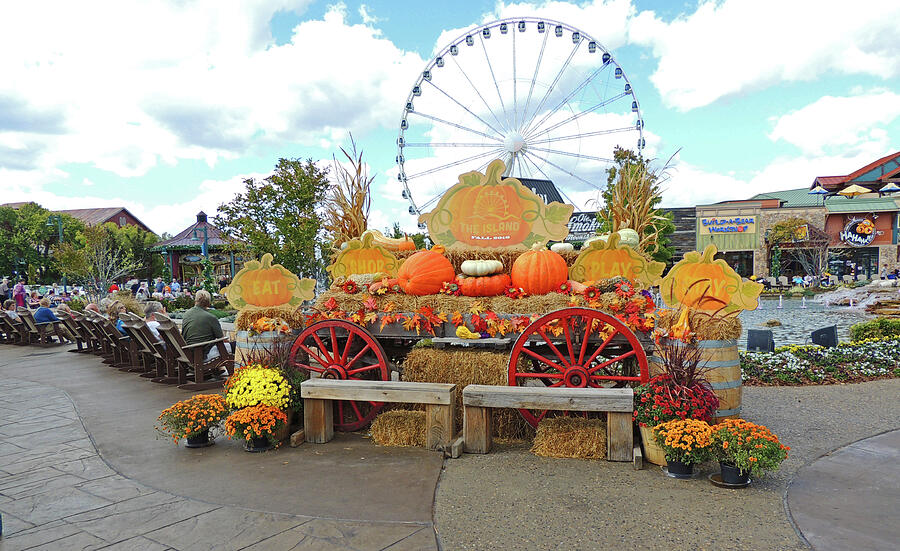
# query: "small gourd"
x,y
562,247
481,267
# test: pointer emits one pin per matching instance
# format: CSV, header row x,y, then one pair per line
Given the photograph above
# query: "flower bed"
x,y
851,362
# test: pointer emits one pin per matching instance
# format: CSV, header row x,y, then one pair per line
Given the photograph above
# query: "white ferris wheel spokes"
x,y
543,96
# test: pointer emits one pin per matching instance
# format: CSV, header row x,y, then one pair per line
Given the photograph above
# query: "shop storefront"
x,y
733,228
864,240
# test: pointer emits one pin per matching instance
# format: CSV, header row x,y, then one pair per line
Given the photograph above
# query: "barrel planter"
x,y
723,370
652,452
245,344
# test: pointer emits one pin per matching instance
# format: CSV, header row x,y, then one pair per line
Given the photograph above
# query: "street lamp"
x,y
56,220
204,248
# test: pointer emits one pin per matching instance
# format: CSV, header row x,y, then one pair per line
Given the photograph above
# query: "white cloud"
x,y
366,15
735,46
127,85
839,122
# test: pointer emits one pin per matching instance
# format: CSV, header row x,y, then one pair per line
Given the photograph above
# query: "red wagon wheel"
x,y
337,349
575,348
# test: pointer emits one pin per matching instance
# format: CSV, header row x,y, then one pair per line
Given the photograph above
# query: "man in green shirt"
x,y
198,325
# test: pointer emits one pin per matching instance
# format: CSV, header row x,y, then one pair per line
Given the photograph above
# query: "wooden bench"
x,y
478,401
318,415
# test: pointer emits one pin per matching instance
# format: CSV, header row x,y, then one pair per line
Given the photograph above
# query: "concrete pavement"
x,y
81,468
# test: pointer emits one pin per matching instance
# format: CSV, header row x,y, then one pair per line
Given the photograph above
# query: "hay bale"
x,y
467,367
704,326
248,315
574,437
399,427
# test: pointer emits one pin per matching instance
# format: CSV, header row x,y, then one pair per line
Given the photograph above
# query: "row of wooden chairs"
x,y
169,360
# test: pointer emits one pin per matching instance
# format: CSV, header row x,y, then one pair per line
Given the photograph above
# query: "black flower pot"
x,y
733,475
256,445
679,469
199,441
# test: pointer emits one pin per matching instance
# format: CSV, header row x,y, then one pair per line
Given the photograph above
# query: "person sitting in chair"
x,y
150,310
10,307
198,325
45,315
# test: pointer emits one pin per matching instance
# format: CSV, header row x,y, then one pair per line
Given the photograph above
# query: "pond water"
x,y
797,322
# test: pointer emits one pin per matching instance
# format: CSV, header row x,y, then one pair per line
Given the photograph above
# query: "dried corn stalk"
x,y
631,203
348,198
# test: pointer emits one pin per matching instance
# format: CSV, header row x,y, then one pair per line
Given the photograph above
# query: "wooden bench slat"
x,y
378,391
565,399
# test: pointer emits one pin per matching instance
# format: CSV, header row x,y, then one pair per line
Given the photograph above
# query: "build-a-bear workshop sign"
x,y
261,283
483,210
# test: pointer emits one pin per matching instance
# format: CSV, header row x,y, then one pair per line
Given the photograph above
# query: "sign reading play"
x,y
483,210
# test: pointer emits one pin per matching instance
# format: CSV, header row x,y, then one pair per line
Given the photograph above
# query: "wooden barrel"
x,y
723,370
245,344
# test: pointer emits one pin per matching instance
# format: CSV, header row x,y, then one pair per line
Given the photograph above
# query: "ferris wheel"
x,y
545,97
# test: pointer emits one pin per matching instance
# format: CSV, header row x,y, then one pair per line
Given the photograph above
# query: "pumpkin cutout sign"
x,y
261,283
605,259
364,256
701,281
486,210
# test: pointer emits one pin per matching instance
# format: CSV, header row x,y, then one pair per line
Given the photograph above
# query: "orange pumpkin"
x,y
407,245
425,272
483,286
539,271
265,287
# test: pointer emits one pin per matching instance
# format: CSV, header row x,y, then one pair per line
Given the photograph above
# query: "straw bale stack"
x,y
574,437
467,367
399,427
247,315
704,326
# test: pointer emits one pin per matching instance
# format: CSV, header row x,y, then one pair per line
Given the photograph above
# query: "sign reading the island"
x,y
859,232
606,259
363,256
483,210
727,224
261,283
704,282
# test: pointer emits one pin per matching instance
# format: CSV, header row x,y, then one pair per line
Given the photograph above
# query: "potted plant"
x,y
259,384
257,426
685,442
742,448
680,392
192,419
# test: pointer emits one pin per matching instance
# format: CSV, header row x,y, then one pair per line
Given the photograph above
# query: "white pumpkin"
x,y
481,267
562,247
628,236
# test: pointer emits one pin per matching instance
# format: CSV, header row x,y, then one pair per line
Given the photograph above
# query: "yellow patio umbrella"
x,y
854,191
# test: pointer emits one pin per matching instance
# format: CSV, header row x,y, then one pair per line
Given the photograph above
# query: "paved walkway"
x,y
58,492
81,468
850,498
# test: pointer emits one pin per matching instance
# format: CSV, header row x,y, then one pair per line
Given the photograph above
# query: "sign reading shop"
x,y
733,224
859,232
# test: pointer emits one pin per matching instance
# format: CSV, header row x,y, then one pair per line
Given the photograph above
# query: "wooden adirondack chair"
x,y
92,323
75,330
15,330
42,333
87,335
115,341
133,346
192,357
151,351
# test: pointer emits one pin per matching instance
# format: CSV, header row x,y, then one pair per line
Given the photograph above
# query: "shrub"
x,y
684,440
76,304
193,416
747,446
875,329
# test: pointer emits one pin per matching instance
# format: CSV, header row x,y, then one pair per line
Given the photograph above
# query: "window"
x,y
122,221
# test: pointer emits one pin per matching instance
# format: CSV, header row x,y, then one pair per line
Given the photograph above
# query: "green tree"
x,y
99,256
278,215
659,227
139,243
28,240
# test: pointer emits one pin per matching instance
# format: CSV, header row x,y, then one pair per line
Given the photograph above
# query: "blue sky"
x,y
168,115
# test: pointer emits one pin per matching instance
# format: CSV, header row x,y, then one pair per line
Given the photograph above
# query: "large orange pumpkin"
x,y
425,272
265,287
483,286
539,271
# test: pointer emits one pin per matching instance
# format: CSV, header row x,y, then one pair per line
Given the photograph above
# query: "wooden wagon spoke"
x,y
314,356
322,348
358,355
347,348
601,347
544,360
352,372
553,347
618,358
